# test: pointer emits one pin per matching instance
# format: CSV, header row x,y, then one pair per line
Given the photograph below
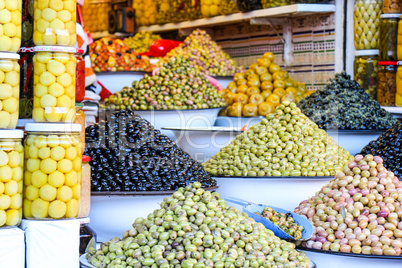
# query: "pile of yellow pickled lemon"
x,y
261,89
52,176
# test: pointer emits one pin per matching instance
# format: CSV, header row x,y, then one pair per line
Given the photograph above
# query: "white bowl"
x,y
354,140
237,122
201,143
116,81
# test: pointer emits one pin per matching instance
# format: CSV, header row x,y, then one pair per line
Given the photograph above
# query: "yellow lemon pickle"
x,y
10,25
53,160
11,173
54,84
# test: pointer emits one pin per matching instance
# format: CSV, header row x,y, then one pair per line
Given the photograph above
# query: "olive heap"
x,y
389,147
175,86
205,55
195,228
357,212
128,154
285,143
343,104
141,41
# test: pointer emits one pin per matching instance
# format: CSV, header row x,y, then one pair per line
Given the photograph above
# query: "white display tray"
x,y
395,111
237,122
116,81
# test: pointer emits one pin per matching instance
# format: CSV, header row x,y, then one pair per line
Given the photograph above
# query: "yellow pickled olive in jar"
x,y
275,3
392,6
399,40
11,177
386,87
10,25
228,7
366,70
9,89
54,84
55,22
210,8
388,37
366,20
398,94
52,177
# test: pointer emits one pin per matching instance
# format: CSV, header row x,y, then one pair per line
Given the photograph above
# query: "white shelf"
x,y
393,110
285,11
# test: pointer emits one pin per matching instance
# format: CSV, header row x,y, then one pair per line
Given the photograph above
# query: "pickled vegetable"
x,y
145,12
95,15
274,3
26,84
210,8
388,37
228,7
10,25
398,94
9,90
284,221
141,41
399,40
366,21
357,212
365,73
286,143
195,228
386,88
27,23
163,11
392,6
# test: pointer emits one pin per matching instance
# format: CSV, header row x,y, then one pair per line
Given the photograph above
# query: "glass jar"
x,y
366,20
85,187
27,23
11,173
275,3
26,85
210,8
366,70
95,15
80,76
399,40
392,6
388,37
145,12
53,163
55,23
80,119
386,87
163,11
398,94
54,84
9,89
10,25
87,235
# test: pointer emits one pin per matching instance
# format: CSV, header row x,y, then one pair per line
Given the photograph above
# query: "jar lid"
x,y
390,16
84,220
26,49
367,52
86,158
387,63
11,134
56,49
9,56
80,51
52,127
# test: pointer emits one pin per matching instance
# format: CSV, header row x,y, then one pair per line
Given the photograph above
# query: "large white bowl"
x,y
237,122
116,81
354,140
201,143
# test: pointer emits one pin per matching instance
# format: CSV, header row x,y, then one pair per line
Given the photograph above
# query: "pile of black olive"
x,y
389,147
128,154
343,104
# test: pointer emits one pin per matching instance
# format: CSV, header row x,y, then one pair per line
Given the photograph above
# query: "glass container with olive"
x,y
399,41
386,87
366,69
388,37
392,6
366,20
275,3
398,94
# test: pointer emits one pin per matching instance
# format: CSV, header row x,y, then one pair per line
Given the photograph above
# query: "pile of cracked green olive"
x,y
357,212
175,86
343,104
205,55
284,221
285,143
195,228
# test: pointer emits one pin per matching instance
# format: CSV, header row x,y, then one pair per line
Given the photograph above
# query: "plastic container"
x,y
388,37
85,187
26,82
27,23
275,3
54,84
9,89
55,23
52,171
398,94
80,119
386,87
80,76
10,24
87,234
392,6
11,173
366,19
366,70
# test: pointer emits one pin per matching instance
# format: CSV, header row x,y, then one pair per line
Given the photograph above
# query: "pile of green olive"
x,y
195,228
175,86
285,143
357,212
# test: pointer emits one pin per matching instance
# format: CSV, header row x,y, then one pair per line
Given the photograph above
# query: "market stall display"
x,y
357,212
206,55
286,143
366,70
141,41
366,20
343,104
128,154
111,55
184,229
389,147
176,85
260,89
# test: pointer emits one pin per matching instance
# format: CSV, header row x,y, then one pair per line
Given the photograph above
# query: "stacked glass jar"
x,y
366,70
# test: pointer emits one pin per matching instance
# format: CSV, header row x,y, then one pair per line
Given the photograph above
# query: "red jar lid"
x,y
86,158
387,63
